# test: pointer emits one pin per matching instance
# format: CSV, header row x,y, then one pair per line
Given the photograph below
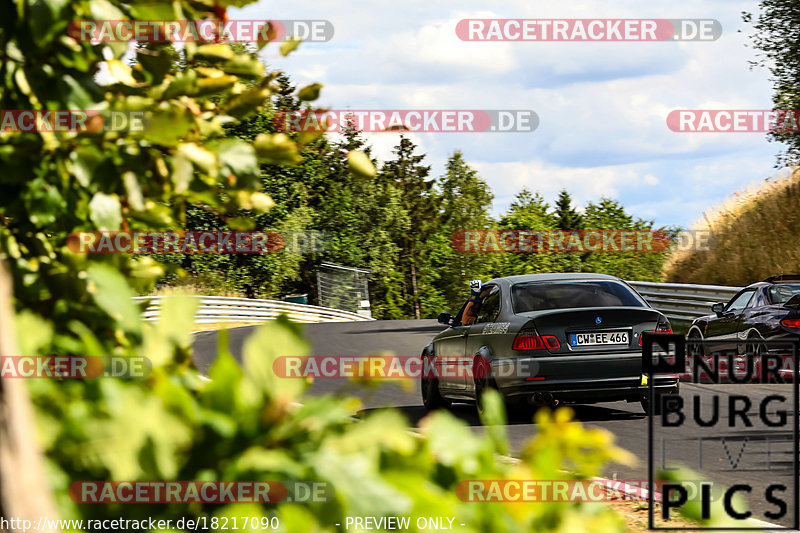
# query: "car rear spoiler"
x,y
794,302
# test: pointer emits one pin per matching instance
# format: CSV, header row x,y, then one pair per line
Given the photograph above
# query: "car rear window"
x,y
538,296
782,293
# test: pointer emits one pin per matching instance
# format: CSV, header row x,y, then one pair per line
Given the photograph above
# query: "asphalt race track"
x,y
757,455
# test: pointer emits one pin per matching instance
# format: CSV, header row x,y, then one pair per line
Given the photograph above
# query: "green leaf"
x,y
244,65
153,10
222,393
261,202
269,342
309,92
168,125
182,173
45,19
277,148
248,101
134,190
84,160
201,157
177,319
215,85
236,157
215,52
106,212
452,442
494,420
112,293
33,333
290,45
360,164
43,202
183,83
360,486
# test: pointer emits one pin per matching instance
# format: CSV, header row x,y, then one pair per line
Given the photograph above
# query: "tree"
x,y
408,175
360,216
567,218
529,212
780,54
465,201
608,214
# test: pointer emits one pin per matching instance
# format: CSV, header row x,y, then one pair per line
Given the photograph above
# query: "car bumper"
x,y
610,377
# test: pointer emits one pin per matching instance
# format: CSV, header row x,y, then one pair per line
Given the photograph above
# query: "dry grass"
x,y
756,234
636,516
195,290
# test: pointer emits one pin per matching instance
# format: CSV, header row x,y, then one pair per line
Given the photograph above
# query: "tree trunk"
x,y
414,289
24,491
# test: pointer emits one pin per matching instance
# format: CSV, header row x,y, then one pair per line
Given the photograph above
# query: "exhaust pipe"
x,y
544,398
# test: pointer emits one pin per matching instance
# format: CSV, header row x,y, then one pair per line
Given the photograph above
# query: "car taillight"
x,y
660,328
791,322
536,342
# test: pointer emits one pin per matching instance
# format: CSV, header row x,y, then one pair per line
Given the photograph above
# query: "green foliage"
x,y
567,217
779,53
464,202
644,266
246,424
409,176
184,158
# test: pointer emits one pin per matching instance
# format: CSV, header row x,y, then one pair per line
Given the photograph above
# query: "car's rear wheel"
x,y
432,397
694,348
754,348
483,381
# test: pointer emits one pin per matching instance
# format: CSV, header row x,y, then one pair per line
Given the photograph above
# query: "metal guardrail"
x,y
213,309
680,301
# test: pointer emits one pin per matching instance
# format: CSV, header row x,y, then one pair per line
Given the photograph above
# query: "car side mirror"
x,y
718,308
444,318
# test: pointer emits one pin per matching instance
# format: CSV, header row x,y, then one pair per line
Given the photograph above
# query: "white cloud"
x,y
602,106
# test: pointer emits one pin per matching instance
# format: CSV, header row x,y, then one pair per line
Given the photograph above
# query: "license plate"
x,y
599,338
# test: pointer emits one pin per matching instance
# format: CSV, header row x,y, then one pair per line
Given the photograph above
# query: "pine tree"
x,y
567,218
407,173
466,201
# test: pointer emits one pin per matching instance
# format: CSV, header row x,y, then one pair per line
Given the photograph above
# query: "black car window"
x,y
489,306
740,302
538,296
782,293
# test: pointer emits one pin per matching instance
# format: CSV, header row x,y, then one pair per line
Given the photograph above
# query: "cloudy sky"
x,y
602,106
